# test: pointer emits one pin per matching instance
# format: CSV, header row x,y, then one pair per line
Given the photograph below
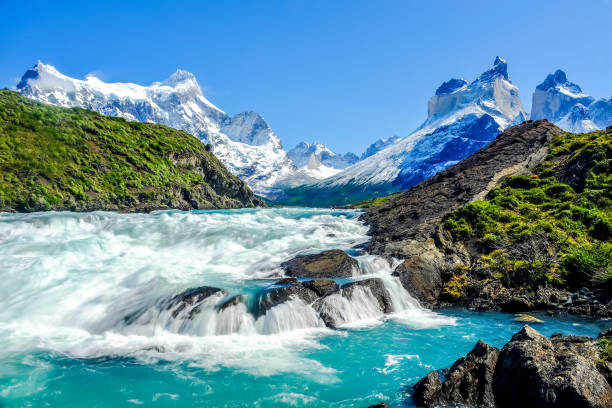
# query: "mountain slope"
x,y
563,103
245,143
462,118
55,158
517,226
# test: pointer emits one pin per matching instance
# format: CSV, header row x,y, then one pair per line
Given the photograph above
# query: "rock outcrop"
x,y
328,264
530,370
329,300
405,226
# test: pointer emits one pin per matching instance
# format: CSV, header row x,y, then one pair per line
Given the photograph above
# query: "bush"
x,y
582,262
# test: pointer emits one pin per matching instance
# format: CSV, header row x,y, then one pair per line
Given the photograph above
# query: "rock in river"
x,y
328,264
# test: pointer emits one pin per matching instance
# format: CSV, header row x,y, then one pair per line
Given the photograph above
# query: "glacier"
x,y
565,104
245,143
462,118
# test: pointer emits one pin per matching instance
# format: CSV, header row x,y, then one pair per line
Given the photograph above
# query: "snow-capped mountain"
x,y
245,143
563,103
319,161
462,118
378,146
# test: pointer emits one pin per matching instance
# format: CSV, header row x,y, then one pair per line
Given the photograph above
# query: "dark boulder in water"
x,y
322,287
190,298
233,301
529,371
283,294
327,264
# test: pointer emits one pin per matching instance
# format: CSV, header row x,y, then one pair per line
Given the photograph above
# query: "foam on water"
x,y
94,284
92,294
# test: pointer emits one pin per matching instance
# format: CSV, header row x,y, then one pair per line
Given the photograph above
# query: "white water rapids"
x,y
98,284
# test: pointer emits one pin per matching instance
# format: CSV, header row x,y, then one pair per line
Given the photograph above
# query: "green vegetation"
x,y
553,227
605,349
60,158
373,202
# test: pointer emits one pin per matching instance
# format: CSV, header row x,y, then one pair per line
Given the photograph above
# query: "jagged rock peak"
x,y
500,68
451,85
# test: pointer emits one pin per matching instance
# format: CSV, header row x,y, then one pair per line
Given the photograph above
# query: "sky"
x,y
341,72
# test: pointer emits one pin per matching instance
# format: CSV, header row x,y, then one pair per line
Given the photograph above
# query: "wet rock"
x,y
287,281
468,382
283,294
427,390
380,405
377,288
527,318
191,297
530,370
322,287
233,301
328,264
422,281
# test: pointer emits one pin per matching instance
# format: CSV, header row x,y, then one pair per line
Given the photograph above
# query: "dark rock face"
x,y
422,281
468,381
233,301
530,370
283,294
322,287
328,264
411,215
190,297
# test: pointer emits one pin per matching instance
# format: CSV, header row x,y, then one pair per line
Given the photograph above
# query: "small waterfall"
x,y
339,309
291,315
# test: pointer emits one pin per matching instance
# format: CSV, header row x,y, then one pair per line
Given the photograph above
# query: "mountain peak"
x,y
451,85
558,78
180,76
500,68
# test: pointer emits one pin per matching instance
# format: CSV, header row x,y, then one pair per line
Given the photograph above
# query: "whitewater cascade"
x,y
100,283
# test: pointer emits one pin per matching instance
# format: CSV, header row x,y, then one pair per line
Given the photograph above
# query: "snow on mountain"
x,y
245,143
379,145
563,103
462,118
318,161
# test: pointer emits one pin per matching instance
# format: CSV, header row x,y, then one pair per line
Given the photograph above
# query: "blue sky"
x,y
342,72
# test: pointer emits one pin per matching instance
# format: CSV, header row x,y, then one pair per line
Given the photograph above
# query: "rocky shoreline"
x,y
530,370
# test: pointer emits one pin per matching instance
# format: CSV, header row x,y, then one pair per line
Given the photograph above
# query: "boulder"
x,y
322,287
558,372
468,382
530,370
422,281
283,294
191,297
328,264
380,405
233,301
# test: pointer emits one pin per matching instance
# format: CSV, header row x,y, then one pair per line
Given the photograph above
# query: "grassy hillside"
x,y
554,227
60,158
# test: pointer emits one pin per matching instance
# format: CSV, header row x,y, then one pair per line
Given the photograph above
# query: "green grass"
x,y
576,226
373,202
60,158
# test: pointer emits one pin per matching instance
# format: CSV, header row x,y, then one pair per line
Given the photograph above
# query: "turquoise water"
x,y
69,279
